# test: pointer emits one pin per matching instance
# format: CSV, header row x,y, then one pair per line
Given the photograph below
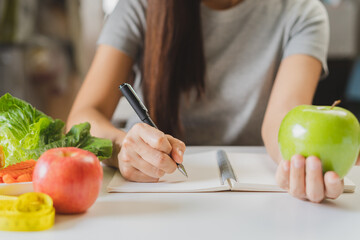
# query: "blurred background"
x,y
46,47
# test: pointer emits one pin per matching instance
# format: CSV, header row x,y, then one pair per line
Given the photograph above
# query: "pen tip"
x,y
182,170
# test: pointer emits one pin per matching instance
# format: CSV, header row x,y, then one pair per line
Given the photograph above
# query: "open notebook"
x,y
212,171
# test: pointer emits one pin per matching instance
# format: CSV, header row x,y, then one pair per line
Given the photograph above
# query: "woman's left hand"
x,y
304,179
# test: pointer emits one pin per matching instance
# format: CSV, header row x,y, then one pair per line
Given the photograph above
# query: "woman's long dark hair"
x,y
173,59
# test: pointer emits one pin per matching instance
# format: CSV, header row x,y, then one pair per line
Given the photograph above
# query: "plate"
x,y
16,188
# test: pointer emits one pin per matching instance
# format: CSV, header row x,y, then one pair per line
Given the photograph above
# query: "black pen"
x,y
142,112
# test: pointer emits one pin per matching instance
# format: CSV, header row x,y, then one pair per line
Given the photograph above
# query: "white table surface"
x,y
222,215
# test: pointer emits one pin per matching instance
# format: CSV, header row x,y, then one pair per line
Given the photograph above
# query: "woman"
x,y
211,72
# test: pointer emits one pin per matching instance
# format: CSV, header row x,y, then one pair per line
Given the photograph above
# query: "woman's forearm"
x,y
295,84
269,134
98,96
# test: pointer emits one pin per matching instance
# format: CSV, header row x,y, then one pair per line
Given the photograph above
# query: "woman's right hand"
x,y
147,154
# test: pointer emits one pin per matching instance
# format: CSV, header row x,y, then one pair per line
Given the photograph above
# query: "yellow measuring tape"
x,y
28,212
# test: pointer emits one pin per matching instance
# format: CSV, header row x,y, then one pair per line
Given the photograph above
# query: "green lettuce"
x,y
25,133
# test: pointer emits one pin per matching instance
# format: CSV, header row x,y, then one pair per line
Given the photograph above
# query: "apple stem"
x,y
337,102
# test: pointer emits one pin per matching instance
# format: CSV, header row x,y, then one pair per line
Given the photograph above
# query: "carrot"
x,y
27,177
17,173
8,179
20,165
11,173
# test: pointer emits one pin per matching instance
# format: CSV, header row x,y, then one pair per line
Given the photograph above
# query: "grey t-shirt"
x,y
243,47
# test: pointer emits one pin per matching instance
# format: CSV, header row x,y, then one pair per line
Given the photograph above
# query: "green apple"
x,y
329,133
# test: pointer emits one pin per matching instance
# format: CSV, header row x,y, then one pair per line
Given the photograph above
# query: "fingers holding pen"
x,y
156,158
146,149
133,159
162,142
153,137
137,150
178,149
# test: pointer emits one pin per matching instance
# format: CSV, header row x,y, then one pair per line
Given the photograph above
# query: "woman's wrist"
x,y
117,140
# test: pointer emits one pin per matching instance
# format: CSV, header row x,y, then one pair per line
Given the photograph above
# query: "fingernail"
x,y
286,165
313,163
297,162
180,152
333,179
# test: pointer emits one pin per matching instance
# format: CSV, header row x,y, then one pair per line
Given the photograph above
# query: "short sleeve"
x,y
125,27
307,32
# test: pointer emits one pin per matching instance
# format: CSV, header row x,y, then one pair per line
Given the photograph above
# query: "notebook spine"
x,y
226,170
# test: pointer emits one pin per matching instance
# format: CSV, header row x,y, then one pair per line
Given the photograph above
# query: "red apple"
x,y
70,176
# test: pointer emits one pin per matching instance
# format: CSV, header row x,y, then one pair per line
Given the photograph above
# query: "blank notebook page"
x,y
202,169
254,172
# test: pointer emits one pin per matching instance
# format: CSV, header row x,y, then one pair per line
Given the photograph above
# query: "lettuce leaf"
x,y
101,147
25,133
79,136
